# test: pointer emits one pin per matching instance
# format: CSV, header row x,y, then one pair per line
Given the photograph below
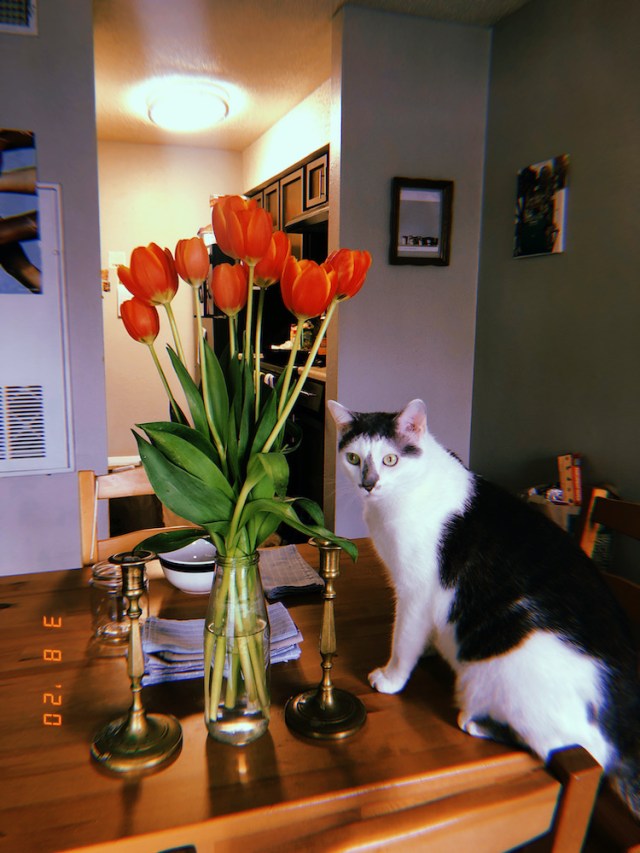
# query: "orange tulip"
x,y
140,320
307,287
230,286
243,230
152,275
269,269
192,261
351,267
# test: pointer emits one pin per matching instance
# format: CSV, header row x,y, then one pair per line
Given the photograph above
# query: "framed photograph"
x,y
420,221
541,205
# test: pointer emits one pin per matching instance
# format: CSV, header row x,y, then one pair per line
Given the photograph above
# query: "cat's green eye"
x,y
353,459
390,460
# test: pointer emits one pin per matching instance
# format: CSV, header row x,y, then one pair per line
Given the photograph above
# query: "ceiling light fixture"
x,y
186,105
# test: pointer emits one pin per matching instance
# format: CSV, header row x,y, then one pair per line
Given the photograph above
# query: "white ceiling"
x,y
268,54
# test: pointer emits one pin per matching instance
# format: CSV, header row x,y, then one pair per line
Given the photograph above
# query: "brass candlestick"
x,y
137,741
326,712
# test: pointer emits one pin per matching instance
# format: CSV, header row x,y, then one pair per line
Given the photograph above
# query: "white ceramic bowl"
x,y
190,569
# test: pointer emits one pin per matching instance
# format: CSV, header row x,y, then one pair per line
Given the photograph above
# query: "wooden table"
x,y
266,795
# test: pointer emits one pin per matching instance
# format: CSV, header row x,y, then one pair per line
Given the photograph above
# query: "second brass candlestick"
x,y
326,712
137,741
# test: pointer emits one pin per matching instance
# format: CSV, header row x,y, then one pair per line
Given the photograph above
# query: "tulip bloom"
x,y
192,261
307,287
351,267
269,269
243,230
152,275
141,320
230,288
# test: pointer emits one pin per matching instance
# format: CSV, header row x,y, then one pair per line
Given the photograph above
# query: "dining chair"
x,y
613,829
515,814
92,487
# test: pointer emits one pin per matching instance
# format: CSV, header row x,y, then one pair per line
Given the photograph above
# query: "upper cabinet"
x,y
316,182
300,190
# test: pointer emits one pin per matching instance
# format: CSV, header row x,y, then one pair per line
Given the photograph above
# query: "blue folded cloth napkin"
x,y
174,648
285,572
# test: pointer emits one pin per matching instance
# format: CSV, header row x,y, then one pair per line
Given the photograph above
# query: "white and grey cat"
x,y
540,648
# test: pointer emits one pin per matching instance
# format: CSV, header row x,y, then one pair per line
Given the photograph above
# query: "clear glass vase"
x,y
237,653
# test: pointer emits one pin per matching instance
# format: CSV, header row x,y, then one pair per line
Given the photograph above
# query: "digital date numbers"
x,y
53,656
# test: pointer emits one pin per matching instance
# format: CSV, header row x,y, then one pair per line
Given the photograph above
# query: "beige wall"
x,y
160,194
301,132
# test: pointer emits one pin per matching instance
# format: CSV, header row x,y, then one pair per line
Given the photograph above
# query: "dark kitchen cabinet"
x,y
271,203
316,184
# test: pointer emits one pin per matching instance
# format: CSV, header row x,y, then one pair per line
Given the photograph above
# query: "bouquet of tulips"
x,y
222,465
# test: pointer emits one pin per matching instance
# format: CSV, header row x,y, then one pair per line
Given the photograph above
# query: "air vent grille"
x,y
22,434
18,16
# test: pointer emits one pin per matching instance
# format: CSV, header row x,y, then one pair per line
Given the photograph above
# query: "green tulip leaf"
x,y
192,394
182,492
186,433
215,390
284,510
268,419
159,543
180,450
272,466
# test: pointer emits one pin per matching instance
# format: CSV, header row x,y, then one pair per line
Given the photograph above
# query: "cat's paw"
x,y
386,680
471,726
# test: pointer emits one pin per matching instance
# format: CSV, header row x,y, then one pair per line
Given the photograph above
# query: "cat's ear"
x,y
412,420
341,416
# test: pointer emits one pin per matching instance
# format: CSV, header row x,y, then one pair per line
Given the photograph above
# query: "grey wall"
x,y
557,344
48,88
410,100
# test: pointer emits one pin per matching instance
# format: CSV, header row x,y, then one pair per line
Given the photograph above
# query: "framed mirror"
x,y
420,221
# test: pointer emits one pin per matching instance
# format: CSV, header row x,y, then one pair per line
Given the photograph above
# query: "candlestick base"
x,y
312,715
121,750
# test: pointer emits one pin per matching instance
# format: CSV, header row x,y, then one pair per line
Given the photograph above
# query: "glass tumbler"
x,y
109,607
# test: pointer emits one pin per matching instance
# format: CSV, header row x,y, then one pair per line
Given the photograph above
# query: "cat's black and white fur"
x,y
538,644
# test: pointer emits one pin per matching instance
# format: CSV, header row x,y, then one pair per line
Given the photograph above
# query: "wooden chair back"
x,y
613,828
92,488
622,518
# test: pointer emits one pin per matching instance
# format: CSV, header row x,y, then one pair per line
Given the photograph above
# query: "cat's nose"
x,y
369,485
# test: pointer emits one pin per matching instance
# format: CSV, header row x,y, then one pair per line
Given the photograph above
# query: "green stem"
x,y
214,648
156,360
258,347
249,315
232,337
286,411
290,364
175,332
203,375
232,680
237,512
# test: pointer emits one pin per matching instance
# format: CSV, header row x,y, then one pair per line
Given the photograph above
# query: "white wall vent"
x,y
19,16
22,434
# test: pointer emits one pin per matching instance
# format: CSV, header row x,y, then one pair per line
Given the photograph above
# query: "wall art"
x,y
541,207
421,211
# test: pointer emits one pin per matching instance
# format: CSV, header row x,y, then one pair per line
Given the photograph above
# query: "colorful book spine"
x,y
570,475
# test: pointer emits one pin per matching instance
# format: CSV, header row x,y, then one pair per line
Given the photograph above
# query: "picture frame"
x,y
541,208
421,214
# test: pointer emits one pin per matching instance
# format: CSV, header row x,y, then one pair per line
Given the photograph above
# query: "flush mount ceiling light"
x,y
186,105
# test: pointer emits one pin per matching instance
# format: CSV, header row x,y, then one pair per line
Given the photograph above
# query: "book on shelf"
x,y
570,475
